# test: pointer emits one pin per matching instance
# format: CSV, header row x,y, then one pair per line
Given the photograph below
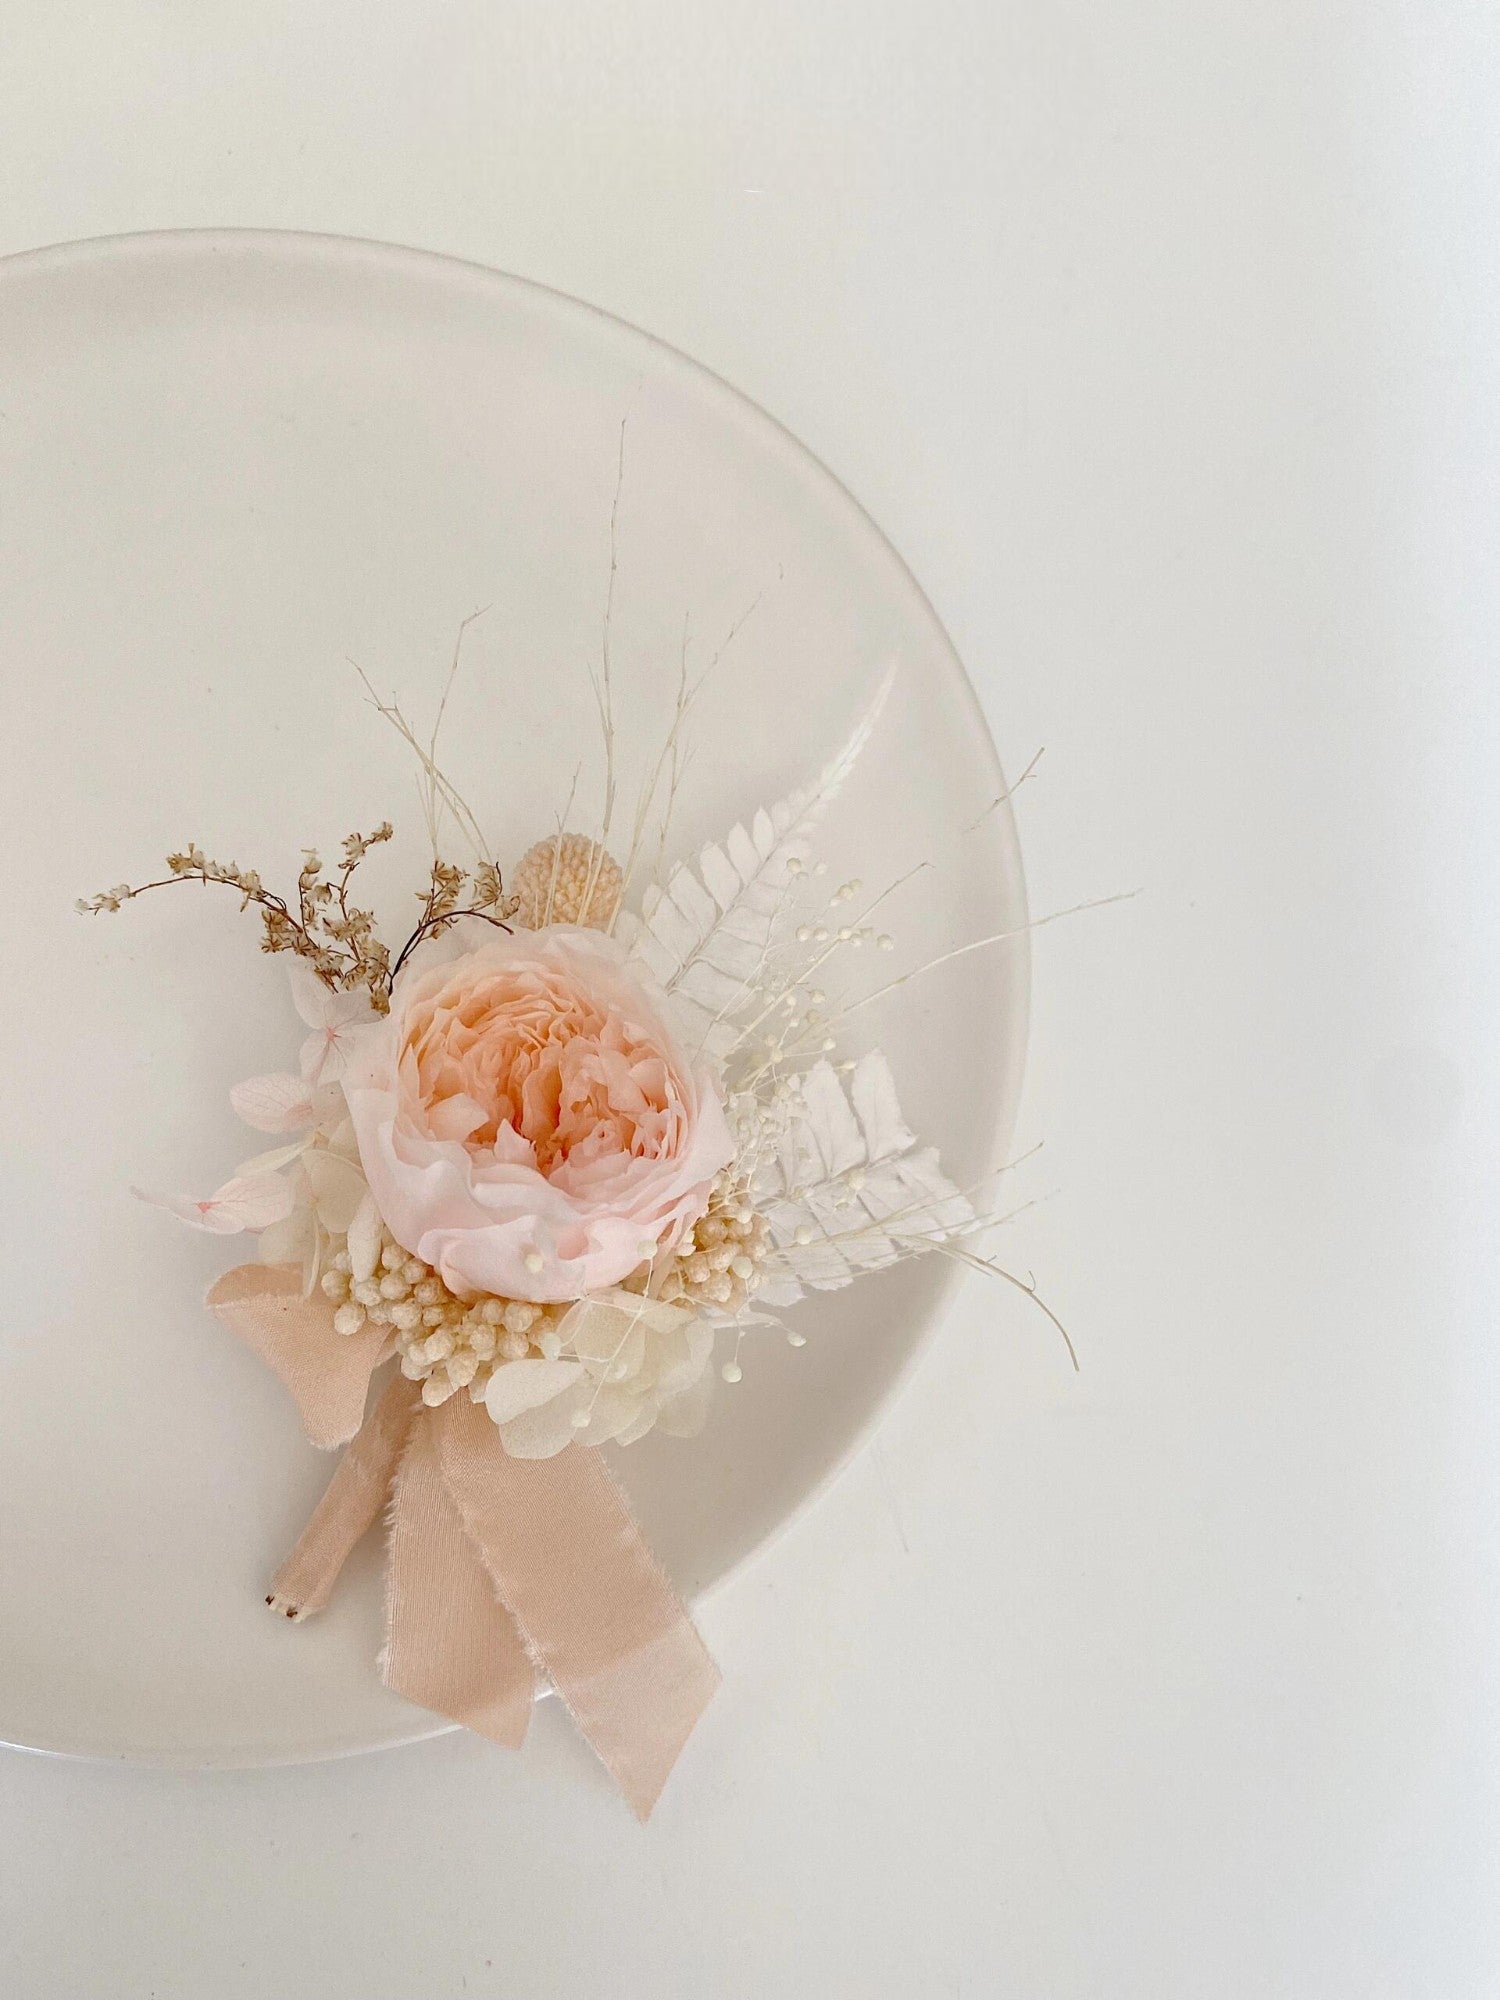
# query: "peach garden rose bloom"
x,y
525,1117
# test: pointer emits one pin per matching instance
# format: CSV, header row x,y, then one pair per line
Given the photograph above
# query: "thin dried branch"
x,y
671,758
337,940
982,944
602,683
1026,1285
438,792
435,925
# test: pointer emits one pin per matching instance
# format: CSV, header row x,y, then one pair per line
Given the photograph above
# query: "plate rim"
x,y
336,246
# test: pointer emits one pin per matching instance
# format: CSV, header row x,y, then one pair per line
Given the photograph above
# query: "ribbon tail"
x,y
451,1645
570,1565
354,1496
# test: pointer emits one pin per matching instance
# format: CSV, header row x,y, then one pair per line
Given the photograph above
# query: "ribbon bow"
x,y
499,1569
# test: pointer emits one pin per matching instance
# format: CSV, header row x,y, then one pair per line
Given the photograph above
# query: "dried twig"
x,y
337,939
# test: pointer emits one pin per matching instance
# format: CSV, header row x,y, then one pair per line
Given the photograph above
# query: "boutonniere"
x,y
537,1168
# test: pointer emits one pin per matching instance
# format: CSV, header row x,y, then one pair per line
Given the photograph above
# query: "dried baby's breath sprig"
x,y
441,904
338,941
443,890
355,928
358,845
488,889
107,899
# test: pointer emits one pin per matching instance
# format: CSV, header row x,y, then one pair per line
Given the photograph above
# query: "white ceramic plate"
x,y
229,463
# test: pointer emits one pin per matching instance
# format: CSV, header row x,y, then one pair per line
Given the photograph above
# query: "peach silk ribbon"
x,y
498,1569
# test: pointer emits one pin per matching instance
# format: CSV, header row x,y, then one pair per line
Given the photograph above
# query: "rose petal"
x,y
526,1119
456,1117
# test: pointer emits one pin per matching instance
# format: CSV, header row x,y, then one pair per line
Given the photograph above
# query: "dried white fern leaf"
x,y
707,932
778,1288
847,1188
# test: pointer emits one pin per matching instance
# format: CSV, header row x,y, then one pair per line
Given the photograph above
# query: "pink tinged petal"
x,y
322,1057
277,1103
511,1150
197,1214
352,1010
248,1201
310,996
329,1108
455,1117
254,1201
319,1006
325,1054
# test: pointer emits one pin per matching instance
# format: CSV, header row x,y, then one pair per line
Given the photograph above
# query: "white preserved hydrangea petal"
x,y
546,1430
273,1161
365,1239
645,1420
276,1103
612,1411
682,1356
626,1359
293,1240
526,1385
332,1016
685,1414
337,1187
247,1201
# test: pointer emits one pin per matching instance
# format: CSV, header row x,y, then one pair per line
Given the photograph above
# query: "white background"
x,y
1161,338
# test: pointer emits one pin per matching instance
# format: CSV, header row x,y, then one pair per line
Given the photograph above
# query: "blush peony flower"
x,y
525,1118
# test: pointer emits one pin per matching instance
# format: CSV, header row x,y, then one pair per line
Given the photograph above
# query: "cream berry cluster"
x,y
444,1342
